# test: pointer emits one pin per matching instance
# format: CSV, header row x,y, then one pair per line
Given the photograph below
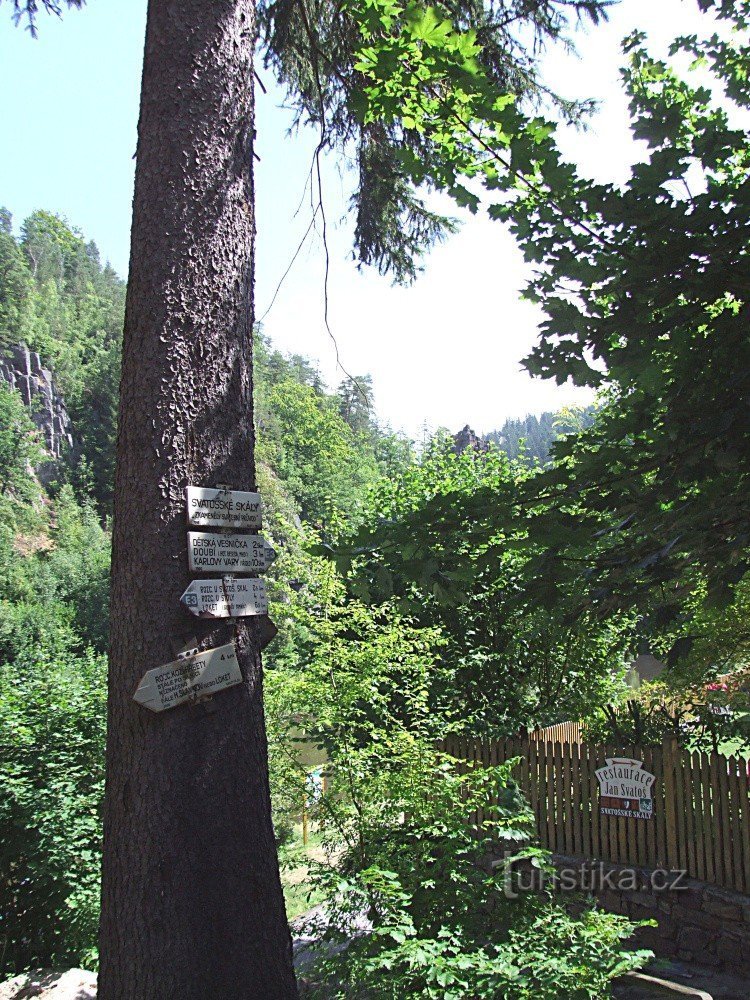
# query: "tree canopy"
x,y
316,52
643,286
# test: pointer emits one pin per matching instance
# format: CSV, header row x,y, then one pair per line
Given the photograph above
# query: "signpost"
x,y
227,598
218,508
189,678
625,789
224,553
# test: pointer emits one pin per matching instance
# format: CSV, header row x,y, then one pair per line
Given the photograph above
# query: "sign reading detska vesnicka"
x,y
625,789
228,553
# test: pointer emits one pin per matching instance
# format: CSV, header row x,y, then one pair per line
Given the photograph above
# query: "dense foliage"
x,y
54,580
642,286
512,663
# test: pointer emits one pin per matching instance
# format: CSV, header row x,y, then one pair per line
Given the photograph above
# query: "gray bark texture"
x,y
192,906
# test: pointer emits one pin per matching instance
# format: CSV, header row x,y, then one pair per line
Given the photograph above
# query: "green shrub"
x,y
440,924
52,727
413,907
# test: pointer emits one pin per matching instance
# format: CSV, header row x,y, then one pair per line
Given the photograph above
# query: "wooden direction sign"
x,y
228,553
215,508
228,598
190,678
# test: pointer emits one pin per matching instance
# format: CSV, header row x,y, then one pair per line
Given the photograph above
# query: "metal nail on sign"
x,y
217,508
228,553
189,678
229,598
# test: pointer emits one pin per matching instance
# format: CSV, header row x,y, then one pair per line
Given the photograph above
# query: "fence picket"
x,y
717,820
699,819
549,780
648,849
567,798
672,859
744,803
559,827
585,800
576,777
721,766
708,819
688,813
738,875
534,783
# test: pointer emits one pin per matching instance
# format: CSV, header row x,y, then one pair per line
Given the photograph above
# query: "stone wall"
x,y
22,370
695,921
698,923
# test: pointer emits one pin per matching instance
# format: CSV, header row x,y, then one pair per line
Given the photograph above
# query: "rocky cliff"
x,y
22,370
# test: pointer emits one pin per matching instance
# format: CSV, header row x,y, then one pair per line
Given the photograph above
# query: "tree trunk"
x,y
192,907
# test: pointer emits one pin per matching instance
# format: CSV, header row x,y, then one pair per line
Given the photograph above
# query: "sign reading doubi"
x,y
625,789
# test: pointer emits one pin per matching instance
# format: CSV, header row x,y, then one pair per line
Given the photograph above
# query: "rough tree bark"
x,y
192,907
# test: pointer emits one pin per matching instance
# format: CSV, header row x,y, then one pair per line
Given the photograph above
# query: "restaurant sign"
x,y
625,789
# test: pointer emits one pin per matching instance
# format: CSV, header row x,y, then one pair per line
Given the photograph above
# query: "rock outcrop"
x,y
466,438
22,370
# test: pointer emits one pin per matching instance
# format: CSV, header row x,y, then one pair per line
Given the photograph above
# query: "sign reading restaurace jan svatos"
x,y
625,789
215,508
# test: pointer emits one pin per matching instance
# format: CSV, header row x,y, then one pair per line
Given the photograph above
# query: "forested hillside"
x,y
532,437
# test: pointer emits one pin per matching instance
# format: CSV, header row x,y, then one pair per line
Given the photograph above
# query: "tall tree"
x,y
192,905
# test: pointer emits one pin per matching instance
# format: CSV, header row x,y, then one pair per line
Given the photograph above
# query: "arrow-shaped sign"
x,y
189,678
216,508
229,553
227,598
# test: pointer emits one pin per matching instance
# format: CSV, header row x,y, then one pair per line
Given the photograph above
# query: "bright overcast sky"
x,y
446,351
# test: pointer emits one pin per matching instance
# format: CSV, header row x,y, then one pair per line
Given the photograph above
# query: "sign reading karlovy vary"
x,y
228,553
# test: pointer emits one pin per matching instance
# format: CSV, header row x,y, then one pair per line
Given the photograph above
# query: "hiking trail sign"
x,y
189,678
625,789
220,508
231,597
224,553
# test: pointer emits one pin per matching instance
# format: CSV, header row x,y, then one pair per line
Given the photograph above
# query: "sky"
x,y
444,352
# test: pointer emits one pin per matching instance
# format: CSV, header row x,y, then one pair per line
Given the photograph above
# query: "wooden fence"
x,y
701,805
562,732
